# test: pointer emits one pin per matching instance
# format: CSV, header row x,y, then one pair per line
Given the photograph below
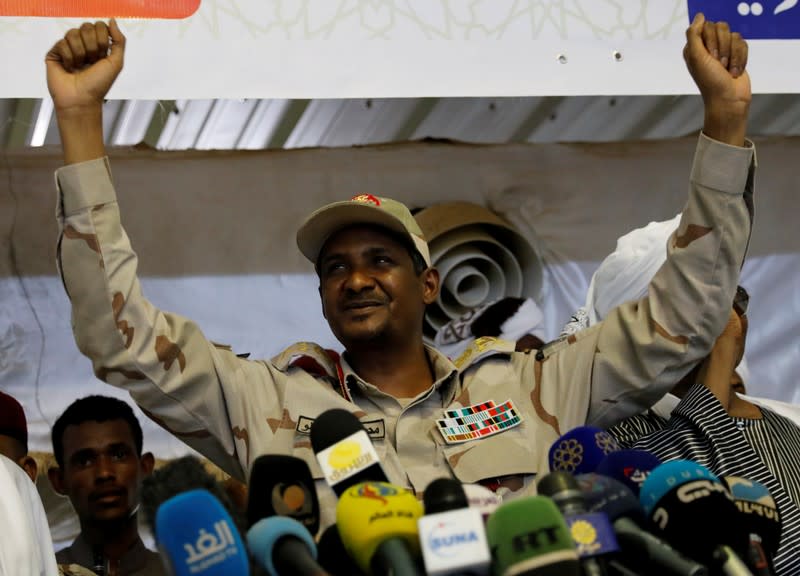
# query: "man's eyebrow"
x,y
83,452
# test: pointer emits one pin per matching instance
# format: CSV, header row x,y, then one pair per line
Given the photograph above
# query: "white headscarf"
x,y
25,545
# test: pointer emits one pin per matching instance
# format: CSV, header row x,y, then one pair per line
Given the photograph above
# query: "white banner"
x,y
399,48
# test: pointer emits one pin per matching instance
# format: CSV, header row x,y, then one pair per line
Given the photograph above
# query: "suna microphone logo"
x,y
210,548
446,538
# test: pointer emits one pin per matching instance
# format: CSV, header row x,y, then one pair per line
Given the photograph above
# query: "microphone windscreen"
x,y
564,490
663,478
581,449
264,534
332,426
530,536
332,555
197,537
344,450
610,496
282,486
444,494
758,507
631,467
370,513
694,512
481,498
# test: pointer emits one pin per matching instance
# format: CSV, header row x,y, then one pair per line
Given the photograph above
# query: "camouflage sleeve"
x,y
643,348
163,360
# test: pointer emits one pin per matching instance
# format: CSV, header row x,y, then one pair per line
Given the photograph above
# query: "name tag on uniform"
x,y
376,429
478,421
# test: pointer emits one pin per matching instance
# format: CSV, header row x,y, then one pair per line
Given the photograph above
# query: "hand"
x,y
717,60
81,68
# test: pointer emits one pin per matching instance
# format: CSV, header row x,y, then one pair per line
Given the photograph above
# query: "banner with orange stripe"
x,y
173,9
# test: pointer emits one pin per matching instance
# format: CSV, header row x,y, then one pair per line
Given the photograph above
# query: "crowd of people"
x,y
683,339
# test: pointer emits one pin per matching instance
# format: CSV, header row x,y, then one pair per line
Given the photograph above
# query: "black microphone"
x,y
99,562
284,547
644,551
344,451
695,512
592,532
451,534
332,555
757,505
282,486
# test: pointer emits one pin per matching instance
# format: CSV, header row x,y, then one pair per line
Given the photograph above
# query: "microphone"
x,y
378,525
631,467
529,537
640,548
482,499
179,476
591,531
282,486
332,556
451,534
344,450
763,521
695,512
284,547
581,449
197,537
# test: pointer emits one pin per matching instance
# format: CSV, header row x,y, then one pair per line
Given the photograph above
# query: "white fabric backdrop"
x,y
400,48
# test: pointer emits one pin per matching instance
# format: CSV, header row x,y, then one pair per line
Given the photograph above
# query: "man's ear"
x,y
56,476
147,462
30,466
430,285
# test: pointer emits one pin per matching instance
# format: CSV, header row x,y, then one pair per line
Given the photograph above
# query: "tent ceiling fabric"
x,y
258,124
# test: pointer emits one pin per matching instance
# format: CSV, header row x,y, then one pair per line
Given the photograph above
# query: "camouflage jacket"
x,y
232,409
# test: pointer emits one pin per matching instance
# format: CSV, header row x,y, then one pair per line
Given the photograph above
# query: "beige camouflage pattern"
x,y
232,410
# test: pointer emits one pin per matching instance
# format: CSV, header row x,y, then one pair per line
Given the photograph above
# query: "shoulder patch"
x,y
483,348
315,360
228,348
555,346
310,357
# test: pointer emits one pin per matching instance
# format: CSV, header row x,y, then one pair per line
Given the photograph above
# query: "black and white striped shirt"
x,y
765,451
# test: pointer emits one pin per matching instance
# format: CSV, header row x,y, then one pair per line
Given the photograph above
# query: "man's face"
x,y
369,289
102,472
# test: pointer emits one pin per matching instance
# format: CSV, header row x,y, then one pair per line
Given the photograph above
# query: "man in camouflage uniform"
x,y
375,281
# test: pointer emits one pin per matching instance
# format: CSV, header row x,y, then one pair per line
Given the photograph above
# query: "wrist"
x,y
79,114
727,123
81,131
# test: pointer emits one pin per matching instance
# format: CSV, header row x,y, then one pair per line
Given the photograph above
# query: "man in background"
x,y
97,443
14,435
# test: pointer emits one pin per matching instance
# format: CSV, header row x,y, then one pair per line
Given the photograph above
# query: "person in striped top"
x,y
715,427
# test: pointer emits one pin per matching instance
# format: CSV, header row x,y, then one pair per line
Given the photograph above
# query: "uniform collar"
x,y
444,373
